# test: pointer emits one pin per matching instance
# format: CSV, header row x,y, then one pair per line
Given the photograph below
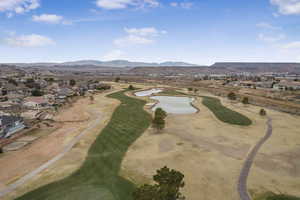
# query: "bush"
x,y
104,87
131,87
72,82
245,100
37,93
117,79
232,96
262,112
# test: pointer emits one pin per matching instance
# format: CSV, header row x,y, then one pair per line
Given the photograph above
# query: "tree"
x,y
167,186
169,183
159,119
92,99
158,123
131,87
146,192
4,92
190,89
245,100
160,113
37,93
117,79
72,82
12,81
232,96
262,112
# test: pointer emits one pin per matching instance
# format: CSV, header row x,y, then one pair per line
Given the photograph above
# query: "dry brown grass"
x,y
210,153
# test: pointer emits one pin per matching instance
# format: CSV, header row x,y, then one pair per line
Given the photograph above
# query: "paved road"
x,y
242,183
24,179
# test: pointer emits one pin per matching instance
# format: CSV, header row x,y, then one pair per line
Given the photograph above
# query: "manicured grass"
x,y
99,178
225,114
171,92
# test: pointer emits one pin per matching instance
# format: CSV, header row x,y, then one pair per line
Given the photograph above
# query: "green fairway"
x,y
225,114
99,178
171,92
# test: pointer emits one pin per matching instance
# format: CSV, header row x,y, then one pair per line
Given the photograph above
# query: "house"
x,y
65,92
10,125
287,85
264,84
35,103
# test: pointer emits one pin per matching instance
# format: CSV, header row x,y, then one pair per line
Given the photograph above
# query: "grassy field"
x,y
225,114
99,178
171,92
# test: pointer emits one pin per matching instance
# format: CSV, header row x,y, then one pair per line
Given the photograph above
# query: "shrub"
x,y
262,112
37,93
245,100
117,79
72,82
131,87
232,96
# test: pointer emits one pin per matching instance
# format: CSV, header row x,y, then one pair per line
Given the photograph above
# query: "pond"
x,y
175,105
148,92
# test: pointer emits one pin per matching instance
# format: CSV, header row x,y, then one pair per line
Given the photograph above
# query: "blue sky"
x,y
196,31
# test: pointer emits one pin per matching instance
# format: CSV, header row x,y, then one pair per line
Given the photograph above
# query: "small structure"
x,y
9,125
287,85
35,103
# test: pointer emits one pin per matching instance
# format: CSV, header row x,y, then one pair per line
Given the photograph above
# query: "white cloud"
x,y
48,18
287,7
139,36
33,40
122,4
133,40
266,25
149,31
113,55
185,5
271,38
18,6
292,45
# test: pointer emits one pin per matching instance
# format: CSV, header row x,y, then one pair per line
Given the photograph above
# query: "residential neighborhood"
x,y
29,98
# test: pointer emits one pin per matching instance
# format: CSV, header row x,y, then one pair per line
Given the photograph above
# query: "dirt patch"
x,y
48,146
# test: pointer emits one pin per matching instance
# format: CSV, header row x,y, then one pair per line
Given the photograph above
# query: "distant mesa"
x,y
113,63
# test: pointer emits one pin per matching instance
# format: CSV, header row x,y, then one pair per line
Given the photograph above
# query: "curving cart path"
x,y
12,187
242,182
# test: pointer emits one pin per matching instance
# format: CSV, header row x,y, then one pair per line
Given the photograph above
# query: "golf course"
x,y
98,178
225,114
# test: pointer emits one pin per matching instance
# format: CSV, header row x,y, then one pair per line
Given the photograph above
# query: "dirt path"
x,y
24,179
242,182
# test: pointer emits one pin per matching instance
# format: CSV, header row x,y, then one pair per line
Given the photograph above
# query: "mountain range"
x,y
113,63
